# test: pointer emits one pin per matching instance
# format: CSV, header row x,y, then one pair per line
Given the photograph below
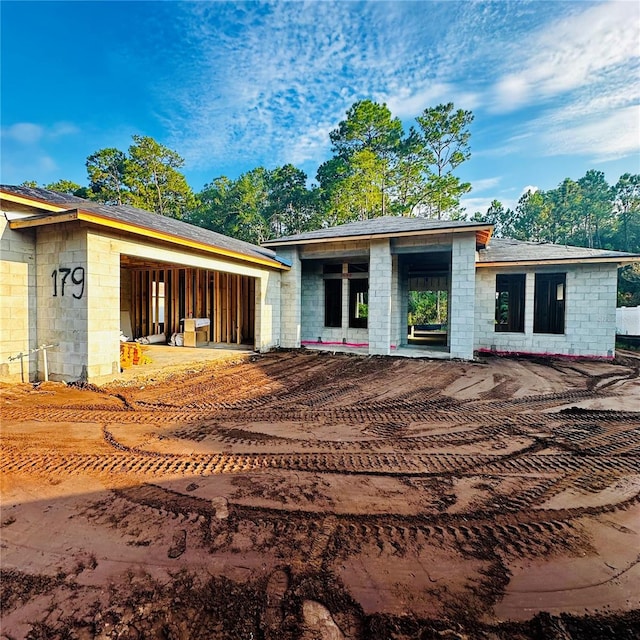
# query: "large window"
x,y
510,302
549,299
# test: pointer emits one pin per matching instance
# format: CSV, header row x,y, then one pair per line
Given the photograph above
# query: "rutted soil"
x,y
317,496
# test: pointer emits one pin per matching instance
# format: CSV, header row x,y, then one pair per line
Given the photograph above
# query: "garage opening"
x,y
157,299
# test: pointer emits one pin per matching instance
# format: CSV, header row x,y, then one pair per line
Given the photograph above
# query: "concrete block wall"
x,y
62,315
102,289
462,296
290,295
403,305
267,311
398,321
380,281
18,323
590,309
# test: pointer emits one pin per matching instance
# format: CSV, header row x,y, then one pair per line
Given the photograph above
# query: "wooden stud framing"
x,y
228,300
238,309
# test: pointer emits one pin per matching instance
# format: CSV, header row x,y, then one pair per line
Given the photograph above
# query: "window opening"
x,y
549,303
510,297
333,303
358,303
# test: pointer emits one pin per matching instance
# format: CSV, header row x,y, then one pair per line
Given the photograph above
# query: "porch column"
x,y
290,295
462,299
380,278
267,330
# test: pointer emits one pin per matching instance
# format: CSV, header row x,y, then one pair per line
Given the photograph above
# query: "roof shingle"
x,y
384,225
144,220
510,250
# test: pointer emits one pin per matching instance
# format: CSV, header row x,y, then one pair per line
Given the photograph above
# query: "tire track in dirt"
x,y
382,464
467,499
331,535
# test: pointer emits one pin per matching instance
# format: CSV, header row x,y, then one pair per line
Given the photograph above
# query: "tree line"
x,y
376,168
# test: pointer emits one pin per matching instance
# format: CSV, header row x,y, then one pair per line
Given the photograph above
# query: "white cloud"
x,y
471,205
408,102
602,137
529,189
60,129
271,81
485,183
23,132
30,133
584,49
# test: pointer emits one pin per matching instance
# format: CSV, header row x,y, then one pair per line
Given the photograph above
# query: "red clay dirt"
x,y
318,496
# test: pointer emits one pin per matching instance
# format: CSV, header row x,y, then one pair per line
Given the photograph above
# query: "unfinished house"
x,y
75,274
445,289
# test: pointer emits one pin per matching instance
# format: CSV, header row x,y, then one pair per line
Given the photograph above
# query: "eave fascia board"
x,y
38,220
31,202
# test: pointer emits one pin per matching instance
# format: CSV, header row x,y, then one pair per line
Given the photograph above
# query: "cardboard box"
x,y
196,324
195,338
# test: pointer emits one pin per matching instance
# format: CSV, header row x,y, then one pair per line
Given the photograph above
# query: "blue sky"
x,y
554,86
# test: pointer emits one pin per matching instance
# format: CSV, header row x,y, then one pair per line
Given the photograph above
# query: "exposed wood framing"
x,y
228,300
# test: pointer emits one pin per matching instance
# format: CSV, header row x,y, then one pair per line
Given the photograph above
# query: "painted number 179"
x,y
77,280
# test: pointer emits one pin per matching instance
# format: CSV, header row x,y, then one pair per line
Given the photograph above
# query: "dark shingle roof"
x,y
145,220
510,250
382,226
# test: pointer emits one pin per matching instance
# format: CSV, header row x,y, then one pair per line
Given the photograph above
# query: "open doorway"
x,y
427,289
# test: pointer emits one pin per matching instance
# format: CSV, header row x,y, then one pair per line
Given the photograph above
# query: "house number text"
x,y
77,281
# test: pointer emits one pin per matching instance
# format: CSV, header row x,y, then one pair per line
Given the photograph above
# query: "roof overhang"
x,y
483,233
89,217
29,203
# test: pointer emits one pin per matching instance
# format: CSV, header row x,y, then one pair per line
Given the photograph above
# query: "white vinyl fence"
x,y
628,321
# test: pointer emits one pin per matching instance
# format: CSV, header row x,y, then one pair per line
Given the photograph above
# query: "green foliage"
x,y
68,187
626,208
153,179
444,134
377,170
259,205
106,170
146,177
427,307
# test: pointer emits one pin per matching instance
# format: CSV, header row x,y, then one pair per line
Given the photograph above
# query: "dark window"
x,y
549,297
333,303
334,267
358,303
510,302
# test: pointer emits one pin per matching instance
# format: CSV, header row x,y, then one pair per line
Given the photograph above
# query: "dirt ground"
x,y
325,497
